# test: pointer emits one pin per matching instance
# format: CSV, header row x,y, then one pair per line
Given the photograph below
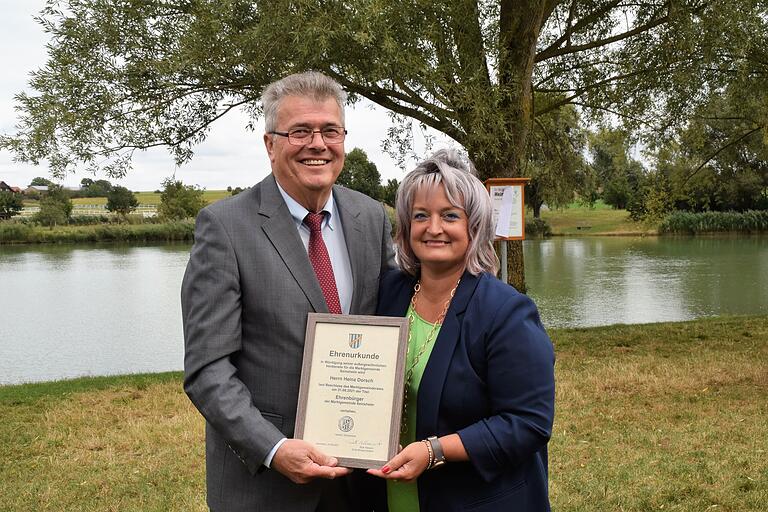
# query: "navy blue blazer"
x,y
490,378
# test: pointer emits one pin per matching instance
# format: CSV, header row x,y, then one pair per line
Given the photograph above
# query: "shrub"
x,y
10,204
179,201
121,200
14,232
392,215
52,213
751,221
537,227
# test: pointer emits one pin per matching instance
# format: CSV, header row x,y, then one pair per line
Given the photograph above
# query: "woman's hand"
x,y
407,465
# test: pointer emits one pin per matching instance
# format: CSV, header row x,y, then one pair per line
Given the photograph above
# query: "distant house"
x,y
16,190
5,186
36,189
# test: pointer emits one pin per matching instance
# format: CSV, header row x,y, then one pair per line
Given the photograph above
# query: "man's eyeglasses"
x,y
304,136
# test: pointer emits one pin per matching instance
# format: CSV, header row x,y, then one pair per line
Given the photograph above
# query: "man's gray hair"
x,y
455,173
310,84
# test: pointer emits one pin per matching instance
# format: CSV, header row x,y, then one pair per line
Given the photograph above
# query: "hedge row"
x,y
751,221
12,232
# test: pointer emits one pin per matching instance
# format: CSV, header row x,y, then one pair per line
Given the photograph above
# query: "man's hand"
x,y
301,462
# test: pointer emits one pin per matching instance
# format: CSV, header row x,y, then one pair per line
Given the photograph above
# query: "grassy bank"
x,y
651,417
601,219
577,220
11,232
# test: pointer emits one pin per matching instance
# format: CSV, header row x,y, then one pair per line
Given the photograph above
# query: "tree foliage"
x,y
97,188
55,207
10,204
179,201
361,174
618,175
131,75
555,163
39,181
121,200
123,76
389,192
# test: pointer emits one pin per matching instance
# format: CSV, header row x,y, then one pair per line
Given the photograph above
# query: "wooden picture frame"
x,y
351,391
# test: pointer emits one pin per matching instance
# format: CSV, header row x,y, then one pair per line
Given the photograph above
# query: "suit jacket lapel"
x,y
281,231
433,380
356,249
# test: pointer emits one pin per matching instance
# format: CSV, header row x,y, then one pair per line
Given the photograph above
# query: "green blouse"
x,y
402,496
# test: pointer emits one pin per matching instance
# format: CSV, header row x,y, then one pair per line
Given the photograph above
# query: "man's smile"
x,y
314,162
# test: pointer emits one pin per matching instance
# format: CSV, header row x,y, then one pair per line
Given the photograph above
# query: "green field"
x,y
152,198
144,198
601,219
649,417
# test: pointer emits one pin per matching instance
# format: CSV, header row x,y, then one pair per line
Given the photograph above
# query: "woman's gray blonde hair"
x,y
455,173
310,84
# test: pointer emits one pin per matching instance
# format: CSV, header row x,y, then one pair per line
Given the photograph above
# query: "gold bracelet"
x,y
431,453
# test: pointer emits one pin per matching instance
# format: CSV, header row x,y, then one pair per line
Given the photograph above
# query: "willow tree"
x,y
124,75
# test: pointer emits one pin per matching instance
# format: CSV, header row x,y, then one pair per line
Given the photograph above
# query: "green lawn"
x,y
152,198
665,417
601,219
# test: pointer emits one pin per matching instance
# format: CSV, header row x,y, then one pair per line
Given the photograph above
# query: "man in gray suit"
x,y
246,293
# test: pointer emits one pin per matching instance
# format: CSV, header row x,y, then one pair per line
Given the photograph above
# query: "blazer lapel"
x,y
433,380
396,296
281,231
356,249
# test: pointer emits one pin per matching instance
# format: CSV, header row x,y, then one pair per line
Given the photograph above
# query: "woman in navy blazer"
x,y
485,402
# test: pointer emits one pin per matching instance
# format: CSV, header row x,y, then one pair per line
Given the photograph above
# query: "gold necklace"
x,y
423,347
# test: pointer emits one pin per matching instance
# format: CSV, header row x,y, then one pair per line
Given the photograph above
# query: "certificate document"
x,y
507,203
351,392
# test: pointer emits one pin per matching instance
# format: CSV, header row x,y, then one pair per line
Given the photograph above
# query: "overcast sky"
x,y
231,155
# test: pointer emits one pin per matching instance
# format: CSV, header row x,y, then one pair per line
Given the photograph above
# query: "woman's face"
x,y
439,230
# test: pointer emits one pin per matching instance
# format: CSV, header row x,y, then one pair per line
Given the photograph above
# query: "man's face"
x,y
306,172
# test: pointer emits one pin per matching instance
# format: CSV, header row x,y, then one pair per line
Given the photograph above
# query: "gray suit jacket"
x,y
245,297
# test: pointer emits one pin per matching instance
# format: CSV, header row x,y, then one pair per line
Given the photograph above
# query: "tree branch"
x,y
578,92
385,99
720,150
572,29
614,112
548,54
179,141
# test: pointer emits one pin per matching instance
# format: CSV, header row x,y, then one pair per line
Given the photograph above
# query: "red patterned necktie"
x,y
321,262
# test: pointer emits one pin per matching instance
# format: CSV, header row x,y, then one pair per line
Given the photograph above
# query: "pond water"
x,y
592,281
68,311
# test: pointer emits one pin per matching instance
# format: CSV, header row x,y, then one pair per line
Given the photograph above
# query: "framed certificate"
x,y
351,391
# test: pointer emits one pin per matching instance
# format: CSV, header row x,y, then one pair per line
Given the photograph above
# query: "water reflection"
x,y
92,310
599,281
67,311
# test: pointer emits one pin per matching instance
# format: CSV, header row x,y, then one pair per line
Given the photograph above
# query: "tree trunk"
x,y
536,206
516,266
519,27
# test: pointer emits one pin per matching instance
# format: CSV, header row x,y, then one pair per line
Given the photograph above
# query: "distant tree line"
x,y
685,173
736,179
177,200
361,174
